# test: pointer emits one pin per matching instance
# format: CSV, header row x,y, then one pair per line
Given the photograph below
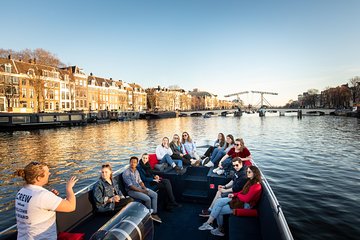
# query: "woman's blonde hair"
x,y
178,140
183,139
242,144
32,171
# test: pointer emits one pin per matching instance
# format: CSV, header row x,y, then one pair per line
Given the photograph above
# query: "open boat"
x,y
195,189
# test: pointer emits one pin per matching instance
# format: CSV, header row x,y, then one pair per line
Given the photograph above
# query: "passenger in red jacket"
x,y
248,196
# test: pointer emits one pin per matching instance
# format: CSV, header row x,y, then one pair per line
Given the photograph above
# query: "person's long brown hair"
x,y
222,140
232,140
250,182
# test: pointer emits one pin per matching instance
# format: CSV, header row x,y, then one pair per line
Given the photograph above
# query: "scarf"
x,y
147,169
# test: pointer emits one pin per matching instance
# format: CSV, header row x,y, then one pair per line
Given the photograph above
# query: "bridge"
x,y
268,112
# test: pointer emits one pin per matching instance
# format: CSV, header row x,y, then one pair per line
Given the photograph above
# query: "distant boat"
x,y
207,115
158,115
29,121
314,113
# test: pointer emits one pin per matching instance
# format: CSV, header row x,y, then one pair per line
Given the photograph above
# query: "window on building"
x,y
51,105
15,80
23,82
31,93
51,94
57,106
23,92
23,104
67,105
8,68
31,72
67,96
46,105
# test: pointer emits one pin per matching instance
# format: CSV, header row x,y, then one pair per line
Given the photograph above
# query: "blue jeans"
x,y
227,164
220,208
217,155
150,199
167,159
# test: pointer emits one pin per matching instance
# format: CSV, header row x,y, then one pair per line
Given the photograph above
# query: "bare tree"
x,y
40,55
355,89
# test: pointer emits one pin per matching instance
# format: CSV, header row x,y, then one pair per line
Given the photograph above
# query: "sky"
x,y
219,46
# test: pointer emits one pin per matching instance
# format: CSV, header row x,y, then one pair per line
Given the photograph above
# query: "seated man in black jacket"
x,y
235,185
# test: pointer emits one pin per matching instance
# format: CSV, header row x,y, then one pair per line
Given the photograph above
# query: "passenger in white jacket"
x,y
163,153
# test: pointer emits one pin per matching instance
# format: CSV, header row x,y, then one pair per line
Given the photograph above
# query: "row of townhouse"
x,y
31,87
341,96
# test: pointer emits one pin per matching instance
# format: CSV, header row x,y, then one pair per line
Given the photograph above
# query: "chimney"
x,y
34,60
91,74
110,79
9,57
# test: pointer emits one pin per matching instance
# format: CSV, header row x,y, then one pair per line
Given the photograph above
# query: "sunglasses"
x,y
184,135
249,172
238,144
176,138
35,163
236,165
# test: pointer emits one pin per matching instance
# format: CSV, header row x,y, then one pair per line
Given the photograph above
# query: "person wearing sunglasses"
x,y
177,149
239,150
189,147
35,206
247,198
235,185
163,154
155,182
106,193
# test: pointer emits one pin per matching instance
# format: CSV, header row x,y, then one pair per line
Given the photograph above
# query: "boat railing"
x,y
276,205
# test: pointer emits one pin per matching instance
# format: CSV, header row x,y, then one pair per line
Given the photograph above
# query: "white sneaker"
x,y
209,164
217,232
216,169
206,226
220,172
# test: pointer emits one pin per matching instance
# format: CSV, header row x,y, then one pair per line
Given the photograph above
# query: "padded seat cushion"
x,y
153,160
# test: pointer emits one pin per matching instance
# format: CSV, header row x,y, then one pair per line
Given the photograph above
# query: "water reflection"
x,y
312,164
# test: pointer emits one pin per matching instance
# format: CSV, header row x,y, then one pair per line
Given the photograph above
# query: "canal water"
x,y
312,164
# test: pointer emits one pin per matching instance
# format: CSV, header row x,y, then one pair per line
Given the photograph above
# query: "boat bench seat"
x,y
244,228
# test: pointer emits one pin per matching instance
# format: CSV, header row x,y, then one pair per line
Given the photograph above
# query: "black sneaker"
x,y
205,161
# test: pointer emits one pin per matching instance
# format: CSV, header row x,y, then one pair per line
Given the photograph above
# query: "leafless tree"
x,y
40,55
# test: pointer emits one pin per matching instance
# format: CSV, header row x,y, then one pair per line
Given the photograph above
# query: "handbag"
x,y
236,203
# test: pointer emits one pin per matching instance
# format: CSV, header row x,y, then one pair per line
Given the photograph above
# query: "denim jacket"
x,y
102,191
